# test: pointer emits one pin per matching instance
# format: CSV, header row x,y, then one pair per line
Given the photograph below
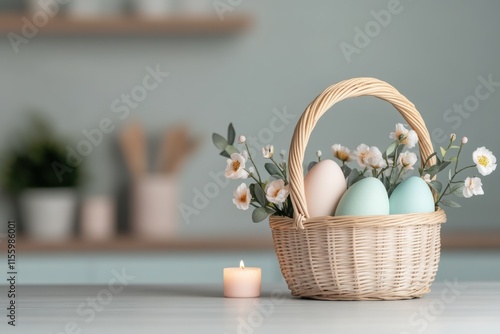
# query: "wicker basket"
x,y
356,257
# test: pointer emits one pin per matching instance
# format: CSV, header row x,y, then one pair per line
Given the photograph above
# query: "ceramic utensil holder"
x,y
155,207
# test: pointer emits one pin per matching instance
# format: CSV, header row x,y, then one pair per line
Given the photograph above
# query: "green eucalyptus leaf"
x,y
390,150
270,211
259,214
311,165
400,149
385,181
260,195
443,151
231,134
231,149
429,158
272,169
450,203
443,165
219,141
458,190
346,170
453,159
454,146
252,190
225,154
432,171
436,185
354,177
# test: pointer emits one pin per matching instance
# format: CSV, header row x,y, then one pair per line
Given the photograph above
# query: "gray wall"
x,y
432,51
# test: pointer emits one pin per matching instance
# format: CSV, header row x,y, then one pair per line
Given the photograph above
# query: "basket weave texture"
x,y
384,257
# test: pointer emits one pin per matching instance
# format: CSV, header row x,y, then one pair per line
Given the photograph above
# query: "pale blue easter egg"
x,y
413,195
367,197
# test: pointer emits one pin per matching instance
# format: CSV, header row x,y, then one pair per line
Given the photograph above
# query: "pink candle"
x,y
242,282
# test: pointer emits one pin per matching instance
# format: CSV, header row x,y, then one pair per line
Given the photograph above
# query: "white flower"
x,y
473,186
465,140
361,153
251,170
319,153
411,140
427,178
341,152
375,159
235,168
407,159
242,139
242,197
408,138
370,157
485,160
453,137
268,151
277,191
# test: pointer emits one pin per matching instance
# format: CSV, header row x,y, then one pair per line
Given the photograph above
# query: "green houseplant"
x,y
30,173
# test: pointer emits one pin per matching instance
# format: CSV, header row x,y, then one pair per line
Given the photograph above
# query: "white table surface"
x,y
467,307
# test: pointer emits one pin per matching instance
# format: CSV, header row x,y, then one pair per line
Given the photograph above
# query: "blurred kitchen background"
x,y
125,94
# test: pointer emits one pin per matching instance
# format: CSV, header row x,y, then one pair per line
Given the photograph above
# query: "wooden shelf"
x,y
458,241
131,244
130,25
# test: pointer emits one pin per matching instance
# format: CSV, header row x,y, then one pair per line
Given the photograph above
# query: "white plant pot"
x,y
49,213
155,207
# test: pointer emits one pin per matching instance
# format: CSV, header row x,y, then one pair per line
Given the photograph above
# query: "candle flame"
x,y
242,264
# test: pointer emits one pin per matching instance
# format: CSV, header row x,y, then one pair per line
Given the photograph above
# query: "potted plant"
x,y
31,173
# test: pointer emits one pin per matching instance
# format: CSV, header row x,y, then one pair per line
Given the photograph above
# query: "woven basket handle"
x,y
343,90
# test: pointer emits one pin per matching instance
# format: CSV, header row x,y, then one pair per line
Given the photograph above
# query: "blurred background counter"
x,y
124,94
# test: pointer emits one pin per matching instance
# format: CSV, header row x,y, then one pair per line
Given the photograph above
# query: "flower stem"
x,y
254,165
399,174
253,177
451,181
456,172
458,156
279,168
462,169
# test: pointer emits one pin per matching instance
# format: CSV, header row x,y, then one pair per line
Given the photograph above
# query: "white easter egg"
x,y
324,185
367,197
413,195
